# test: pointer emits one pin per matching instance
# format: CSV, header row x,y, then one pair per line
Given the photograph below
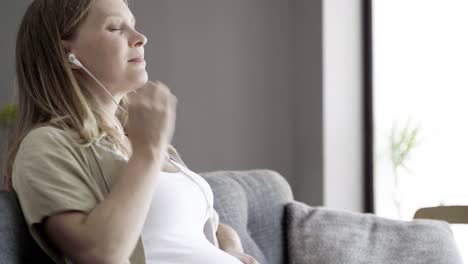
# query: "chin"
x,y
138,81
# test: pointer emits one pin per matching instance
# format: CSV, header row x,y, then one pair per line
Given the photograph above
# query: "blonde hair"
x,y
48,93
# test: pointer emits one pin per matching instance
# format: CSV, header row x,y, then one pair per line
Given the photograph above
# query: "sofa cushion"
x,y
320,235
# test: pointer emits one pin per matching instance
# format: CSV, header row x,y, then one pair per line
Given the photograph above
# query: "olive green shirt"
x,y
52,173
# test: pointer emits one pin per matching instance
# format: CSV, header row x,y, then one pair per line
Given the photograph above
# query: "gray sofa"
x,y
275,229
252,202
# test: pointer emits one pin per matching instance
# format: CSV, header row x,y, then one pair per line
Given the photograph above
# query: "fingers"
x,y
245,258
131,95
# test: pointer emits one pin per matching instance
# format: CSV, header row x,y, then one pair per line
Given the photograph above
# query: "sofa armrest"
x,y
450,214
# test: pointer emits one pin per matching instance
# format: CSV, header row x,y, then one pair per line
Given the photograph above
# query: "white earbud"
x,y
72,58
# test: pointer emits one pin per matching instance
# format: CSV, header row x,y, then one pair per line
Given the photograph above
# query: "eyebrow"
x,y
119,15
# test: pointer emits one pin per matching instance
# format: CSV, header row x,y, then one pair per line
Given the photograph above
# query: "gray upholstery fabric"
x,y
252,202
16,244
324,236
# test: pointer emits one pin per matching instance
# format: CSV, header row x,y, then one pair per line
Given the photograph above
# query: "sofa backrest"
x,y
16,244
253,202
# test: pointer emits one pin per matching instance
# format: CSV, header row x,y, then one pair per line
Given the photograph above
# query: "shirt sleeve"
x,y
51,175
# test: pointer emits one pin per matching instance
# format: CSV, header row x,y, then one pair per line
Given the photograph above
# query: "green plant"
x,y
8,115
402,144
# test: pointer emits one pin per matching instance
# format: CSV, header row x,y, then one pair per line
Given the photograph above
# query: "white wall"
x,y
343,105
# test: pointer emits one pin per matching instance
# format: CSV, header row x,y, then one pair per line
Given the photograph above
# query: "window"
x,y
420,107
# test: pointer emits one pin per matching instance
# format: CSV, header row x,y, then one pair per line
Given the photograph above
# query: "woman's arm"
x,y
108,234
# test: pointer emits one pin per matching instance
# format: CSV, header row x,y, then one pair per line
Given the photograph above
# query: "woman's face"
x,y
106,44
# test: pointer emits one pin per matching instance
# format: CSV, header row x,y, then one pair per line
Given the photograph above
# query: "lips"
x,y
137,59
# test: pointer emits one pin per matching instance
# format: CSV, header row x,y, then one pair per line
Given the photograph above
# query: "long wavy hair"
x,y
48,92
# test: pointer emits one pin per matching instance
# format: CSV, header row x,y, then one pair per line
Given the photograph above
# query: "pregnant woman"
x,y
91,159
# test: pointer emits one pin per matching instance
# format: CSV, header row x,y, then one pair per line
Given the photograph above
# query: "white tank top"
x,y
173,230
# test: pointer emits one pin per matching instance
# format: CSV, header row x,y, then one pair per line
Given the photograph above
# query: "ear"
x,y
67,45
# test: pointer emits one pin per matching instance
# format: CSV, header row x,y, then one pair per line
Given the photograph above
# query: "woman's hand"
x,y
152,114
246,259
229,241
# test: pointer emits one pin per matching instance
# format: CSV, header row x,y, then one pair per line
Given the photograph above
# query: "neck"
x,y
103,97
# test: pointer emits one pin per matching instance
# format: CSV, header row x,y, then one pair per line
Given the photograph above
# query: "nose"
x,y
138,40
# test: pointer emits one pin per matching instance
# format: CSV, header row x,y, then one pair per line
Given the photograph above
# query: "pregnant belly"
x,y
202,252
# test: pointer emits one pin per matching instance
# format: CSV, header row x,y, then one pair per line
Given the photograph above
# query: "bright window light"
x,y
420,52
